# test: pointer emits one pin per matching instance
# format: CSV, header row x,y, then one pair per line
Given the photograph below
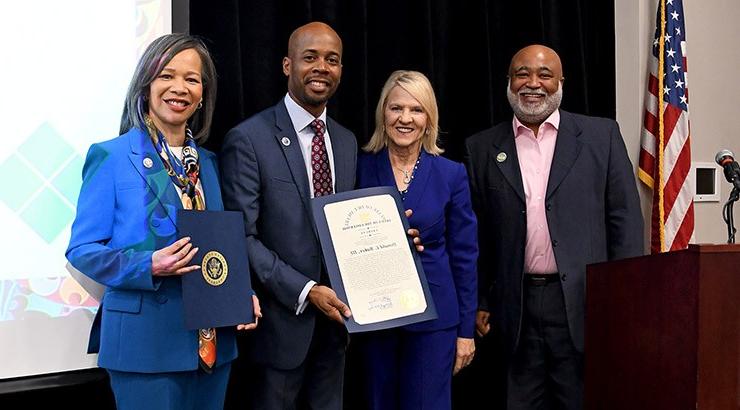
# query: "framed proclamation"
x,y
372,263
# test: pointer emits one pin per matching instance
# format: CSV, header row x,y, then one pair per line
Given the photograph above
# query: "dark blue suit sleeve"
x,y
89,250
624,222
242,191
462,248
484,265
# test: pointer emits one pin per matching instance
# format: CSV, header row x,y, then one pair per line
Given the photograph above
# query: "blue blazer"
x,y
264,176
125,212
592,209
440,199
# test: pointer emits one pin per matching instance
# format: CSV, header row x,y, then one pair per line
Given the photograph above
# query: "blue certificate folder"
x,y
332,266
220,293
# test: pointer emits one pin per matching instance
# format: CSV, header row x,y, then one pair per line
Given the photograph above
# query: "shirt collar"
x,y
299,116
553,120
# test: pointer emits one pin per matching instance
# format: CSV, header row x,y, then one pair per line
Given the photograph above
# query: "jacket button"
x,y
563,277
524,211
554,243
548,206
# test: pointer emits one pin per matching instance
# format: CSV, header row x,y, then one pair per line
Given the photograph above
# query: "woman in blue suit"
x,y
124,235
412,367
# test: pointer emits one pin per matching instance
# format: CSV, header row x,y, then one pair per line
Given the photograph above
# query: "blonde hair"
x,y
418,85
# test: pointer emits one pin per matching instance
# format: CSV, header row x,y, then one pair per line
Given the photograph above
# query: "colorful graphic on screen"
x,y
69,65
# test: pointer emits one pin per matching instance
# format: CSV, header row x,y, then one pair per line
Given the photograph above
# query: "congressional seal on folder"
x,y
371,262
220,292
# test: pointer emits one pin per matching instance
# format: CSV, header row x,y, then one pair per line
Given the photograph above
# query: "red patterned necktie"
x,y
322,183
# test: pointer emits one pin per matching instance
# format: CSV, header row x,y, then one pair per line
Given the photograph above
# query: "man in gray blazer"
x,y
272,164
553,192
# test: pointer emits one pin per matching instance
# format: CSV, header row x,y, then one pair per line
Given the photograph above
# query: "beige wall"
x,y
714,90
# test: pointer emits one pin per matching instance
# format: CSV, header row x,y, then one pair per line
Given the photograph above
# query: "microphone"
x,y
726,159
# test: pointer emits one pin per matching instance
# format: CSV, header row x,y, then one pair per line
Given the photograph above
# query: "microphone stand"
x,y
727,213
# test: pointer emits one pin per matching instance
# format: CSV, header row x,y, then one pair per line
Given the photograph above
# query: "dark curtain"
x,y
463,46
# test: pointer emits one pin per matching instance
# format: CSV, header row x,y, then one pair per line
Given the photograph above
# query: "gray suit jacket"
x,y
592,206
265,178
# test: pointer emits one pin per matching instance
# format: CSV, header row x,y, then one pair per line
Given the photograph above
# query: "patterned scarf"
x,y
183,172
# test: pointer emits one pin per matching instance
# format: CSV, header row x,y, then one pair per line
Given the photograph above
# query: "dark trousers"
x,y
546,371
486,374
316,384
189,390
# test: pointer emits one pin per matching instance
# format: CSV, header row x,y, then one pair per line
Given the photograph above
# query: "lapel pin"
x,y
148,162
501,157
285,141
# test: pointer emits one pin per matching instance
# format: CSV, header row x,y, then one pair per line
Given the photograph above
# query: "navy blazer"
x,y
440,199
264,176
592,209
125,212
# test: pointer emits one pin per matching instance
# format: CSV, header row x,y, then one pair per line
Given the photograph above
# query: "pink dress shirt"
x,y
535,154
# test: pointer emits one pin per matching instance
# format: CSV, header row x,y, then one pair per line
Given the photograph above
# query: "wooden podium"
x,y
663,331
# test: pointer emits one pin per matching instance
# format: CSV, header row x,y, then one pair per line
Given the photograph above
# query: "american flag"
x,y
665,152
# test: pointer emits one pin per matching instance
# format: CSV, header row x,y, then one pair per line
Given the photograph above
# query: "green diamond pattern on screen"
x,y
45,179
68,180
48,215
46,149
21,183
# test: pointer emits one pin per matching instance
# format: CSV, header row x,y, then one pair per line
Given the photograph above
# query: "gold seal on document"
x,y
214,268
409,299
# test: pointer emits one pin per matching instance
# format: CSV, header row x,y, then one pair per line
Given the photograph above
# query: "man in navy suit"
x,y
553,192
273,164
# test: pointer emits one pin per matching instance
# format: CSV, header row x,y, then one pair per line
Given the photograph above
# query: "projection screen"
x,y
66,67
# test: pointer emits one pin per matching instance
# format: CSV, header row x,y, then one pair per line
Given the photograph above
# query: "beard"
x,y
534,113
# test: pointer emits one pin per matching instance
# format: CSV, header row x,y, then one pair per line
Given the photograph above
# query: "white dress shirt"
x,y
301,120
